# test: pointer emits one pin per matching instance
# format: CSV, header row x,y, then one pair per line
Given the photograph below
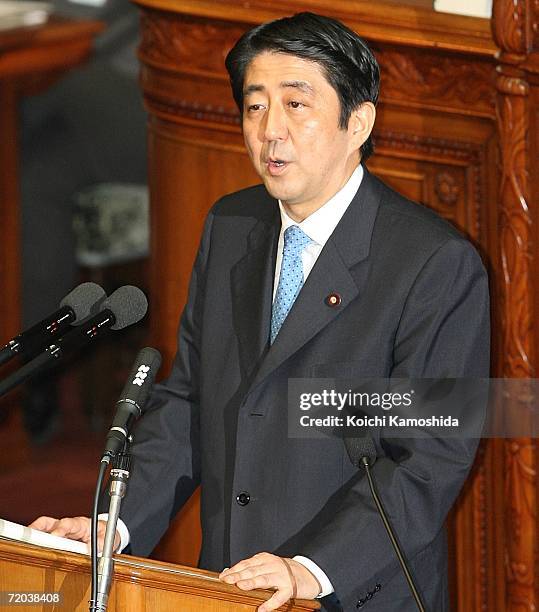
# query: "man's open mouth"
x,y
276,166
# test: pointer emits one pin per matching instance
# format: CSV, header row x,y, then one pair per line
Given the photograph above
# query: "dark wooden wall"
x,y
457,131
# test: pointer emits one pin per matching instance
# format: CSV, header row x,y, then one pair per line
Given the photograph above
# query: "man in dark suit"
x,y
322,271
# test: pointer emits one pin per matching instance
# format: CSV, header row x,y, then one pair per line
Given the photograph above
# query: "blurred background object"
x,y
475,8
87,130
84,216
14,14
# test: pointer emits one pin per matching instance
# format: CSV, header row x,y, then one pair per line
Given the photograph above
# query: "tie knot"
x,y
295,239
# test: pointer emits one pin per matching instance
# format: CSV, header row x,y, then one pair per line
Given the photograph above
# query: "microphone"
x,y
133,399
360,450
126,306
130,407
362,453
74,308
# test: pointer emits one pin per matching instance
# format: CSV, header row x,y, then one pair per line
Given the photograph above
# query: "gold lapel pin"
x,y
333,300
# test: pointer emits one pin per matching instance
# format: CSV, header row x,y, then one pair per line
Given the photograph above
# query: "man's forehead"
x,y
283,70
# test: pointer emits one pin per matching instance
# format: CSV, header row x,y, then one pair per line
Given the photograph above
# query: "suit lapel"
x,y
348,245
310,312
252,287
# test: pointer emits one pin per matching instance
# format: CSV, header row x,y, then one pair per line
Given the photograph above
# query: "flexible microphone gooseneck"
x,y
126,306
130,407
78,304
362,453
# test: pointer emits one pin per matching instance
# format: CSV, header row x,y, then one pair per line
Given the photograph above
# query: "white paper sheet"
x,y
22,533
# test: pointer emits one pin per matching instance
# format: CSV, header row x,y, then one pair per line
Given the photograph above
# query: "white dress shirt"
x,y
319,226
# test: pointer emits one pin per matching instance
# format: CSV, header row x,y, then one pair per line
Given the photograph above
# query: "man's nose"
x,y
275,126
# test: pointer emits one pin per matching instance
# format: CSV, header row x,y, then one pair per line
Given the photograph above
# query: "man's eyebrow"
x,y
303,86
252,88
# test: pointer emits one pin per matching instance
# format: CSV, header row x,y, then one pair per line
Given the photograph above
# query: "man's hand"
x,y
289,578
76,528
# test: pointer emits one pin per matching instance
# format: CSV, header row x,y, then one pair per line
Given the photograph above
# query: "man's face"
x,y
291,130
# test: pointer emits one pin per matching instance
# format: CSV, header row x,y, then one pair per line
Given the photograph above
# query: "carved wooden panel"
x,y
516,225
436,80
509,25
515,28
181,44
454,187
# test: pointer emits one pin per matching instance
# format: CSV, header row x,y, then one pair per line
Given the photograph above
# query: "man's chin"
x,y
276,189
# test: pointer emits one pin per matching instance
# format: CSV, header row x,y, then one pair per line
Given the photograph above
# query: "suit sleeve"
x,y
443,332
166,449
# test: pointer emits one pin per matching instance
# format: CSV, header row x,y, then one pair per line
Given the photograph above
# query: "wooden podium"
x,y
139,585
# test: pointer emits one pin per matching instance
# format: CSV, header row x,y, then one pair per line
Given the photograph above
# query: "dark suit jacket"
x,y
414,303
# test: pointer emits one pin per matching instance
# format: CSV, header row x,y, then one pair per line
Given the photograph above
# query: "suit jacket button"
x,y
377,588
333,300
360,603
243,498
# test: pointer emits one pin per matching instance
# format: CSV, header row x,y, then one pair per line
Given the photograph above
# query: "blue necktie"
x,y
290,278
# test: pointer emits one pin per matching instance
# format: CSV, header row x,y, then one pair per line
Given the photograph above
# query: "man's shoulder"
x,y
413,221
406,235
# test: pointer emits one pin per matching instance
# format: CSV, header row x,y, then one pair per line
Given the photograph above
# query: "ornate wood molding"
x,y
480,521
471,155
509,25
437,79
177,45
520,518
515,229
432,147
177,110
408,25
512,29
469,520
447,188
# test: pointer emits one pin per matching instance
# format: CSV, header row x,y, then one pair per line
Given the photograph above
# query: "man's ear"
x,y
361,123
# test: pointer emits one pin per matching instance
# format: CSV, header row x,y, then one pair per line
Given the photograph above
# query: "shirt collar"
x,y
320,224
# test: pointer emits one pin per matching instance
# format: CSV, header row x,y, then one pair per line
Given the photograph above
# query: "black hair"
x,y
347,62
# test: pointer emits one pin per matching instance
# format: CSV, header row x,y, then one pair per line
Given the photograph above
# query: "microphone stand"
x,y
118,487
362,453
29,369
365,462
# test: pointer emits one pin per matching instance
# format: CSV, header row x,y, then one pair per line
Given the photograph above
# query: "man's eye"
x,y
254,107
296,104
